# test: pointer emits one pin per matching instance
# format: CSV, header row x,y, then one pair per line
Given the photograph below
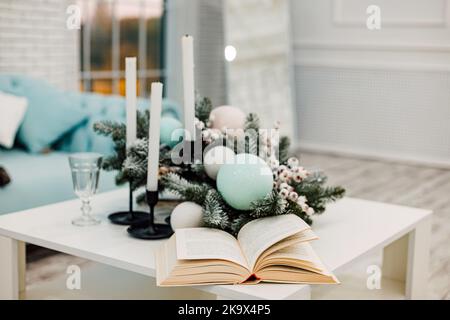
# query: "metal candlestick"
x,y
148,229
126,218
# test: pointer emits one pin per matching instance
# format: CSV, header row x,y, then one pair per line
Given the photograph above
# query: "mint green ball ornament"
x,y
244,181
170,126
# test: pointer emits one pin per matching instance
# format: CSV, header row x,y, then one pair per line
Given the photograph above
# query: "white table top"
x,y
349,229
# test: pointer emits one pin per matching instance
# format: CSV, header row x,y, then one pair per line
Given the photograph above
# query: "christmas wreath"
x,y
234,193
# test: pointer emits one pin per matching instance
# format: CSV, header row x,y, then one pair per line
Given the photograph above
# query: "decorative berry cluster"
x,y
285,176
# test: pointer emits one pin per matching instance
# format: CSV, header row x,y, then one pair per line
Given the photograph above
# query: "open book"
x,y
274,249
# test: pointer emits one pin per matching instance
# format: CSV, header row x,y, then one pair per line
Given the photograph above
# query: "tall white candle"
x,y
189,86
154,136
130,84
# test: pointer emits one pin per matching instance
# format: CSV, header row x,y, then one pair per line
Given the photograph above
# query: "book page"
x,y
300,251
208,244
258,235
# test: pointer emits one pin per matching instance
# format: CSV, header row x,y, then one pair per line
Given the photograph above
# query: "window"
x,y
114,29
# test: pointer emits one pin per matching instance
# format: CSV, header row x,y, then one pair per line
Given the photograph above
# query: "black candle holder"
x,y
148,229
126,218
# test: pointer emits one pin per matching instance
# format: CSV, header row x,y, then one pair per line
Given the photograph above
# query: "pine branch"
x,y
203,108
317,195
271,205
317,178
185,189
142,124
113,129
239,222
135,165
252,122
283,149
214,214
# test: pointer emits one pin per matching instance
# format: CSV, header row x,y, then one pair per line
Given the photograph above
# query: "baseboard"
x,y
371,155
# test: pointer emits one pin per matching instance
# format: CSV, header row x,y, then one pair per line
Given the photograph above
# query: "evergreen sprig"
x,y
283,149
252,122
214,211
271,205
188,191
203,108
313,188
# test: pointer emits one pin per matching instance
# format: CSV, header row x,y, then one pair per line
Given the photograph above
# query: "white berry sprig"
x,y
285,176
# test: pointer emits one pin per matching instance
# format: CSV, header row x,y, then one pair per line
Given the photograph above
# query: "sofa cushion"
x,y
100,107
50,113
12,112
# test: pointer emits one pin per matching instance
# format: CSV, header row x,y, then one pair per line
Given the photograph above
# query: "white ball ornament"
x,y
215,158
186,215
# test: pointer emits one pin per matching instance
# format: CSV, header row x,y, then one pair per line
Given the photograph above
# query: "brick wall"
x,y
34,40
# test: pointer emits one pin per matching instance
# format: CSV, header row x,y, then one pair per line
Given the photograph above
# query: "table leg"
x,y
22,265
407,260
9,269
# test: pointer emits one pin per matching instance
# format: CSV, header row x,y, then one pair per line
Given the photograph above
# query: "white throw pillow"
x,y
12,111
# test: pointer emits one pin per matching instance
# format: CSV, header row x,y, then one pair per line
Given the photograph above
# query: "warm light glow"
x,y
230,53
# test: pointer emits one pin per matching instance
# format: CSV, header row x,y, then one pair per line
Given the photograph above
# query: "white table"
x,y
349,229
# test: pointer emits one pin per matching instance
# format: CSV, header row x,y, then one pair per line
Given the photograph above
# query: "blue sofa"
x,y
39,179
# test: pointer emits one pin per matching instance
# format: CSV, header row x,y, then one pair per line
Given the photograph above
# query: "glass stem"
x,y
86,208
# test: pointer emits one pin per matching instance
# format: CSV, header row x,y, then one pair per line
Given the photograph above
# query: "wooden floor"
x,y
416,186
409,185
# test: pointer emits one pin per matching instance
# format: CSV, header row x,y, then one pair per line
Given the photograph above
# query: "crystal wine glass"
x,y
85,168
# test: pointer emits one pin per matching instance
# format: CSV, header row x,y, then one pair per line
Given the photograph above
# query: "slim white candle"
x,y
189,86
130,83
154,136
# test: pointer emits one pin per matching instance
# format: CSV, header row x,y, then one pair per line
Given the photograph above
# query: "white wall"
x,y
259,78
379,93
203,19
34,40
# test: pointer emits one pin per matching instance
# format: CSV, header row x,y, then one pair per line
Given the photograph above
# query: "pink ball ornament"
x,y
228,117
